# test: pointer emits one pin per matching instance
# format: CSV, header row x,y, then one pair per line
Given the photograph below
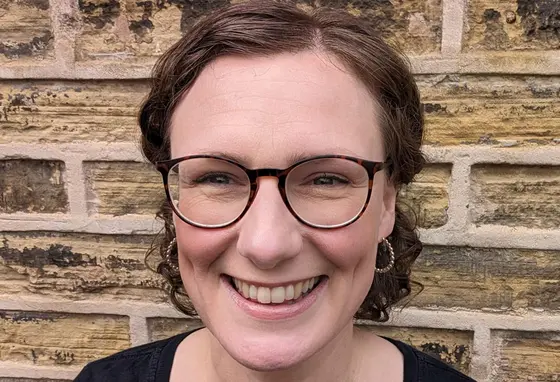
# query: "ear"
x,y
387,218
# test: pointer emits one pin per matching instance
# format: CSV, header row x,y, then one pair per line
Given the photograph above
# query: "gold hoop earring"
x,y
167,260
389,248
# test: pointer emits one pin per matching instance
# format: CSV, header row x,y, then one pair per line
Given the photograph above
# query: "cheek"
x,y
358,241
352,248
199,249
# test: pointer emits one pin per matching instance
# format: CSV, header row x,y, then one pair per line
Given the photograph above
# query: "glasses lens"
x,y
208,191
327,192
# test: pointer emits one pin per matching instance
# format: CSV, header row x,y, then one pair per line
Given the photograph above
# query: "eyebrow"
x,y
291,159
238,158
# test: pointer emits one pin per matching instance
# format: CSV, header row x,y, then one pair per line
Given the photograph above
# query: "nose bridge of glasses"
x,y
266,172
271,173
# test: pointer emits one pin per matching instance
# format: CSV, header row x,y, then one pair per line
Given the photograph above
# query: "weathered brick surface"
x,y
488,278
32,186
453,347
164,327
511,195
119,188
483,109
428,195
77,266
39,338
415,26
526,356
138,31
60,112
501,25
26,32
134,30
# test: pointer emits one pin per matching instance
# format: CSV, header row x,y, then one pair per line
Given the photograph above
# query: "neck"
x,y
337,361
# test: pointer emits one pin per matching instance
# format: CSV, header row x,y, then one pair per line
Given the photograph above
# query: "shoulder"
x,y
420,366
139,363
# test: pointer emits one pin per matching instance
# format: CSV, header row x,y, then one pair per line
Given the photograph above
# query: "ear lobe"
x,y
387,218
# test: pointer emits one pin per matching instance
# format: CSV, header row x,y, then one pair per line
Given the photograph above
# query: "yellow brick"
x,y
526,356
131,29
61,112
77,266
483,109
37,338
119,188
451,346
139,31
26,31
162,327
515,196
428,195
488,278
32,186
414,26
508,25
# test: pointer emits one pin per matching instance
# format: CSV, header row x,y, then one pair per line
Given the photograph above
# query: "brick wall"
x,y
73,284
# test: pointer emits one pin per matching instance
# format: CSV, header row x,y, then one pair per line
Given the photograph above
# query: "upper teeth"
x,y
276,295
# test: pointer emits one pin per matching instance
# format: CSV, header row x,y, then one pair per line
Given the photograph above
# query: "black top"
x,y
152,363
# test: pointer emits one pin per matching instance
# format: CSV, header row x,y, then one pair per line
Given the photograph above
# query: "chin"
x,y
270,353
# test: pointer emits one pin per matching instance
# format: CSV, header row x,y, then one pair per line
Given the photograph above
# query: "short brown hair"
x,y
266,28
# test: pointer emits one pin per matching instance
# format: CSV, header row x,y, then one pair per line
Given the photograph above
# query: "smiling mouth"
x,y
286,294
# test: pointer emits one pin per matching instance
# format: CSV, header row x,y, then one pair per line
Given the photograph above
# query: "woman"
x,y
283,138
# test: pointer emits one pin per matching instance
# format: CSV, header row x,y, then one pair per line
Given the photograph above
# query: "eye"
x,y
329,180
214,178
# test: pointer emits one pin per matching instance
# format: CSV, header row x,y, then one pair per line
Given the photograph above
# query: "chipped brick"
x,y
535,26
490,110
25,27
32,186
120,188
497,279
85,111
33,338
428,196
532,195
77,266
163,327
525,356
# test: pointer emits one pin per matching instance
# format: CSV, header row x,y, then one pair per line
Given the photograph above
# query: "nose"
x,y
268,233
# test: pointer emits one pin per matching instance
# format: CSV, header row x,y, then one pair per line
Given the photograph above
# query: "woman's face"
x,y
266,111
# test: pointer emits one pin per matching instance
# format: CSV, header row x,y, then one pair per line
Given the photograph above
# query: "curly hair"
x,y
267,28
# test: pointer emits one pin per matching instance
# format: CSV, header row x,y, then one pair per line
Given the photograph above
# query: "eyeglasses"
x,y
328,191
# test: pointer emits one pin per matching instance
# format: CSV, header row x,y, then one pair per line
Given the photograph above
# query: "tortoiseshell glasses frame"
x,y
164,167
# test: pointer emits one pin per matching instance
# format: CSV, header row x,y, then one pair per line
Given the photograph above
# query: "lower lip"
x,y
271,312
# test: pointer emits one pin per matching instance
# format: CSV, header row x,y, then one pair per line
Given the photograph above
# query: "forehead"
x,y
267,110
